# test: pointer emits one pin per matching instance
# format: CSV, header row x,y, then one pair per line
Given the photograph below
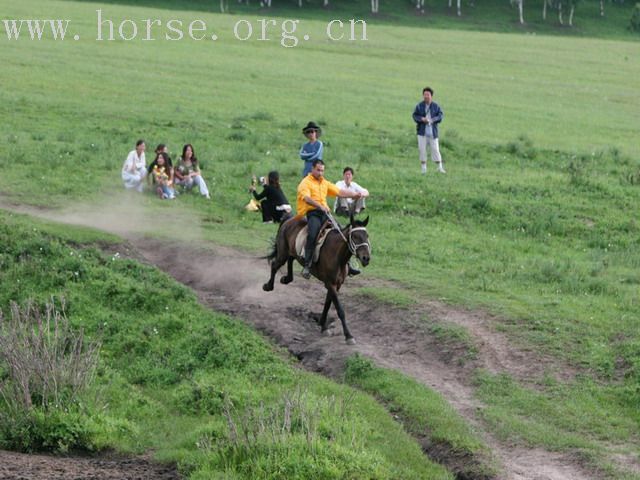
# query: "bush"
x,y
634,24
44,366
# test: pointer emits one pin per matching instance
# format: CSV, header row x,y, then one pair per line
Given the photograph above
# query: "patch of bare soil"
x,y
20,466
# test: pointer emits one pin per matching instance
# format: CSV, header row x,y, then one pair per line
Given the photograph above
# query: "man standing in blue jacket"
x,y
427,116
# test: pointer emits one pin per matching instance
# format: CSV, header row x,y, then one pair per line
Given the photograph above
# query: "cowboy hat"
x,y
312,126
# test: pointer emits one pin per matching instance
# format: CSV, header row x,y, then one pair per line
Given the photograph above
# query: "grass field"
x,y
535,220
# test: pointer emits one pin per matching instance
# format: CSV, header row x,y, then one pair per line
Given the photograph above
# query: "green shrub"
x,y
42,429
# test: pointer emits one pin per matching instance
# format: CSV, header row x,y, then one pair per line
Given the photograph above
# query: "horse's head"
x,y
359,240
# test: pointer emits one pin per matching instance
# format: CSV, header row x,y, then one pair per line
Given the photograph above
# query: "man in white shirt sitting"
x,y
347,206
350,206
134,168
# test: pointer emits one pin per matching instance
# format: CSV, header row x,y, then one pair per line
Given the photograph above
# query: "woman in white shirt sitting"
x,y
134,168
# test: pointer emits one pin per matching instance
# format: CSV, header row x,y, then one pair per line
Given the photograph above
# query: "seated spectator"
x,y
275,206
133,170
347,206
187,173
161,148
163,177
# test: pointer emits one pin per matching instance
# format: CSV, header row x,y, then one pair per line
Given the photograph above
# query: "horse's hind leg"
x,y
347,334
289,277
275,266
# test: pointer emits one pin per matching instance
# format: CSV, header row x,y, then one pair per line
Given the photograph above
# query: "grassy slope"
x,y
540,233
170,370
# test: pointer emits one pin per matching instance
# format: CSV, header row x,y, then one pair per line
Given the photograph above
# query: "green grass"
x,y
534,222
196,387
394,297
425,414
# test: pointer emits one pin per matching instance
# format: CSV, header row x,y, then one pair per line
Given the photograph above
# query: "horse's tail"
x,y
274,244
274,249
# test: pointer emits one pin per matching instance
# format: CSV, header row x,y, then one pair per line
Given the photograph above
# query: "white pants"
x,y
423,141
134,180
191,181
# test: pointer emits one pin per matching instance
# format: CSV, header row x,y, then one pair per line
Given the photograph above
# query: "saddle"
x,y
301,240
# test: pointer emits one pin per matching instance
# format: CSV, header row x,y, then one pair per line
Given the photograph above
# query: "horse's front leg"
x,y
324,324
289,277
332,290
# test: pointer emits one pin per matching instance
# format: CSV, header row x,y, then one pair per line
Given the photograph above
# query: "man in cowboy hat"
x,y
312,150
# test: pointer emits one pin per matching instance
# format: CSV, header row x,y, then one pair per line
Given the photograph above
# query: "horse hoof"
x,y
351,341
327,333
285,280
267,288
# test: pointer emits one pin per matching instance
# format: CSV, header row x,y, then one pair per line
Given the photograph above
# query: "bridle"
x,y
350,243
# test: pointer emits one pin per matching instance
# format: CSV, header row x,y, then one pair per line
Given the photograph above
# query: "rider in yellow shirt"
x,y
312,202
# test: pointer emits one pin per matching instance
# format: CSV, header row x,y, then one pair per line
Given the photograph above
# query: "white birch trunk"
x,y
450,3
459,11
573,9
560,14
300,3
326,3
520,10
544,10
375,5
222,6
602,8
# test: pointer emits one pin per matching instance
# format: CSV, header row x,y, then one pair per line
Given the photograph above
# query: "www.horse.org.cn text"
x,y
288,32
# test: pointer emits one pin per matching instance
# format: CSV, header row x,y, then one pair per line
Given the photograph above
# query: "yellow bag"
x,y
252,206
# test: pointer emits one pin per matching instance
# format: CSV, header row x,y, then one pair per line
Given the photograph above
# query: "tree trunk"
x,y
375,5
520,8
602,8
544,10
222,6
573,9
326,3
560,13
459,12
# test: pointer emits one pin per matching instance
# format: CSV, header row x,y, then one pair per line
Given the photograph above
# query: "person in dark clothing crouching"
x,y
274,204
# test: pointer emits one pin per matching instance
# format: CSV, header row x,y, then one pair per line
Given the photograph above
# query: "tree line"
x,y
565,9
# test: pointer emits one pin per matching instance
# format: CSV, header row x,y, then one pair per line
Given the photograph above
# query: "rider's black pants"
x,y
315,219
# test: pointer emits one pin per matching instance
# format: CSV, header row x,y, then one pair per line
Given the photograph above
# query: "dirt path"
x,y
20,466
230,281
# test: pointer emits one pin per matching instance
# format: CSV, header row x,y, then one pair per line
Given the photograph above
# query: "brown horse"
x,y
331,267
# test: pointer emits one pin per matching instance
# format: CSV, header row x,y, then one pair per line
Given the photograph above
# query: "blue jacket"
x,y
436,117
310,152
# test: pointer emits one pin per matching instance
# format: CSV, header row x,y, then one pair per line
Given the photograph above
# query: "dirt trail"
x,y
230,281
20,466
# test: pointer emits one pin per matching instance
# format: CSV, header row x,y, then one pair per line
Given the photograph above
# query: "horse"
x,y
331,267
